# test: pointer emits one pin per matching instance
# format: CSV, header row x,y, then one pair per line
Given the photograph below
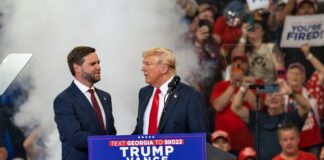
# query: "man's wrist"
x,y
309,56
293,94
243,89
233,84
197,44
242,40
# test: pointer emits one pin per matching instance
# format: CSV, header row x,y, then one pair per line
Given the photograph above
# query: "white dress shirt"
x,y
164,88
84,89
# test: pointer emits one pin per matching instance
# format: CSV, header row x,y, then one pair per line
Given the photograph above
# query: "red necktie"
x,y
154,113
97,109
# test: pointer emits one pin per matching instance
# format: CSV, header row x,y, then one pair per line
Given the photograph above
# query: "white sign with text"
x,y
257,4
301,29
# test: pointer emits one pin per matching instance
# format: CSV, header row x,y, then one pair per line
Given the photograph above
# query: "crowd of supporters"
x,y
237,54
249,54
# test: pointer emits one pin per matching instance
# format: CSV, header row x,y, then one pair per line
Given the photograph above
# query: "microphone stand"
x,y
270,88
166,102
257,132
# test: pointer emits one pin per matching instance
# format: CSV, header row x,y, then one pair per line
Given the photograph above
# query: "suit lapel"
x,y
144,100
170,106
84,103
105,104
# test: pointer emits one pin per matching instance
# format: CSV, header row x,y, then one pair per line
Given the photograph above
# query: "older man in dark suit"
x,y
82,110
179,111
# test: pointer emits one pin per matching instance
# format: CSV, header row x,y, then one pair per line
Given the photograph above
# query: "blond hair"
x,y
166,56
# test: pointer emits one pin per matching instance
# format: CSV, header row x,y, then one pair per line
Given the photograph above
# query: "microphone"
x,y
172,85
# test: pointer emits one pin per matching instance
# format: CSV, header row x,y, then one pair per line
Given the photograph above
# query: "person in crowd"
x,y
207,51
221,100
178,109
292,55
190,8
227,28
315,84
310,136
272,118
313,89
300,7
11,135
322,154
265,59
248,153
34,144
288,136
221,140
276,19
82,110
293,7
201,30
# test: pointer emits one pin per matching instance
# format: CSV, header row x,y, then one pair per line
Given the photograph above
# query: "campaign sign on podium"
x,y
148,147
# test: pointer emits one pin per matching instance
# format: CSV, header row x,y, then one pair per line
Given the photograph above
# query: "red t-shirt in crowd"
x,y
302,156
228,121
229,35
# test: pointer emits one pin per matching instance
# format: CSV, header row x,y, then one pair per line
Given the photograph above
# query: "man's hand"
x,y
305,49
284,88
244,29
247,81
202,34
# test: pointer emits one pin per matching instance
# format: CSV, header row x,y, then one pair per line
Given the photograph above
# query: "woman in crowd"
x,y
265,59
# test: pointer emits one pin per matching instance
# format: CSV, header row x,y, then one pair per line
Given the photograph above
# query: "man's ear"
x,y
165,69
77,68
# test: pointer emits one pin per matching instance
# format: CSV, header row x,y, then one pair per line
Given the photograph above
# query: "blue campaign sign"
x,y
190,146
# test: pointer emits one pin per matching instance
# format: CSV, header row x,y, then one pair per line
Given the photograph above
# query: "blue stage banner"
x,y
190,146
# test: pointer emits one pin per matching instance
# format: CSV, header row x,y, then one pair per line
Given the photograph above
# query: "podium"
x,y
154,147
217,154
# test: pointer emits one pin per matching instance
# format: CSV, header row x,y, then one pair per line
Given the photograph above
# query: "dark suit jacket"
x,y
76,120
184,113
217,154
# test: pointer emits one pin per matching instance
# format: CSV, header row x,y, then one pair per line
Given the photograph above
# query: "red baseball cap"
x,y
220,134
247,152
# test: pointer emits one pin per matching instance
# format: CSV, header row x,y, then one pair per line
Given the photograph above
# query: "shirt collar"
x,y
81,86
164,87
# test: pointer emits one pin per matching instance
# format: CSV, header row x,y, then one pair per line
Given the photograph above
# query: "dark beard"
x,y
90,77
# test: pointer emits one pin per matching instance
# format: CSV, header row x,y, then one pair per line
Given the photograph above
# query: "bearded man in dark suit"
x,y
82,110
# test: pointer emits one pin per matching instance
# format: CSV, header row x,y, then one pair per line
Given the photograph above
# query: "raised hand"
x,y
202,34
284,88
305,49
